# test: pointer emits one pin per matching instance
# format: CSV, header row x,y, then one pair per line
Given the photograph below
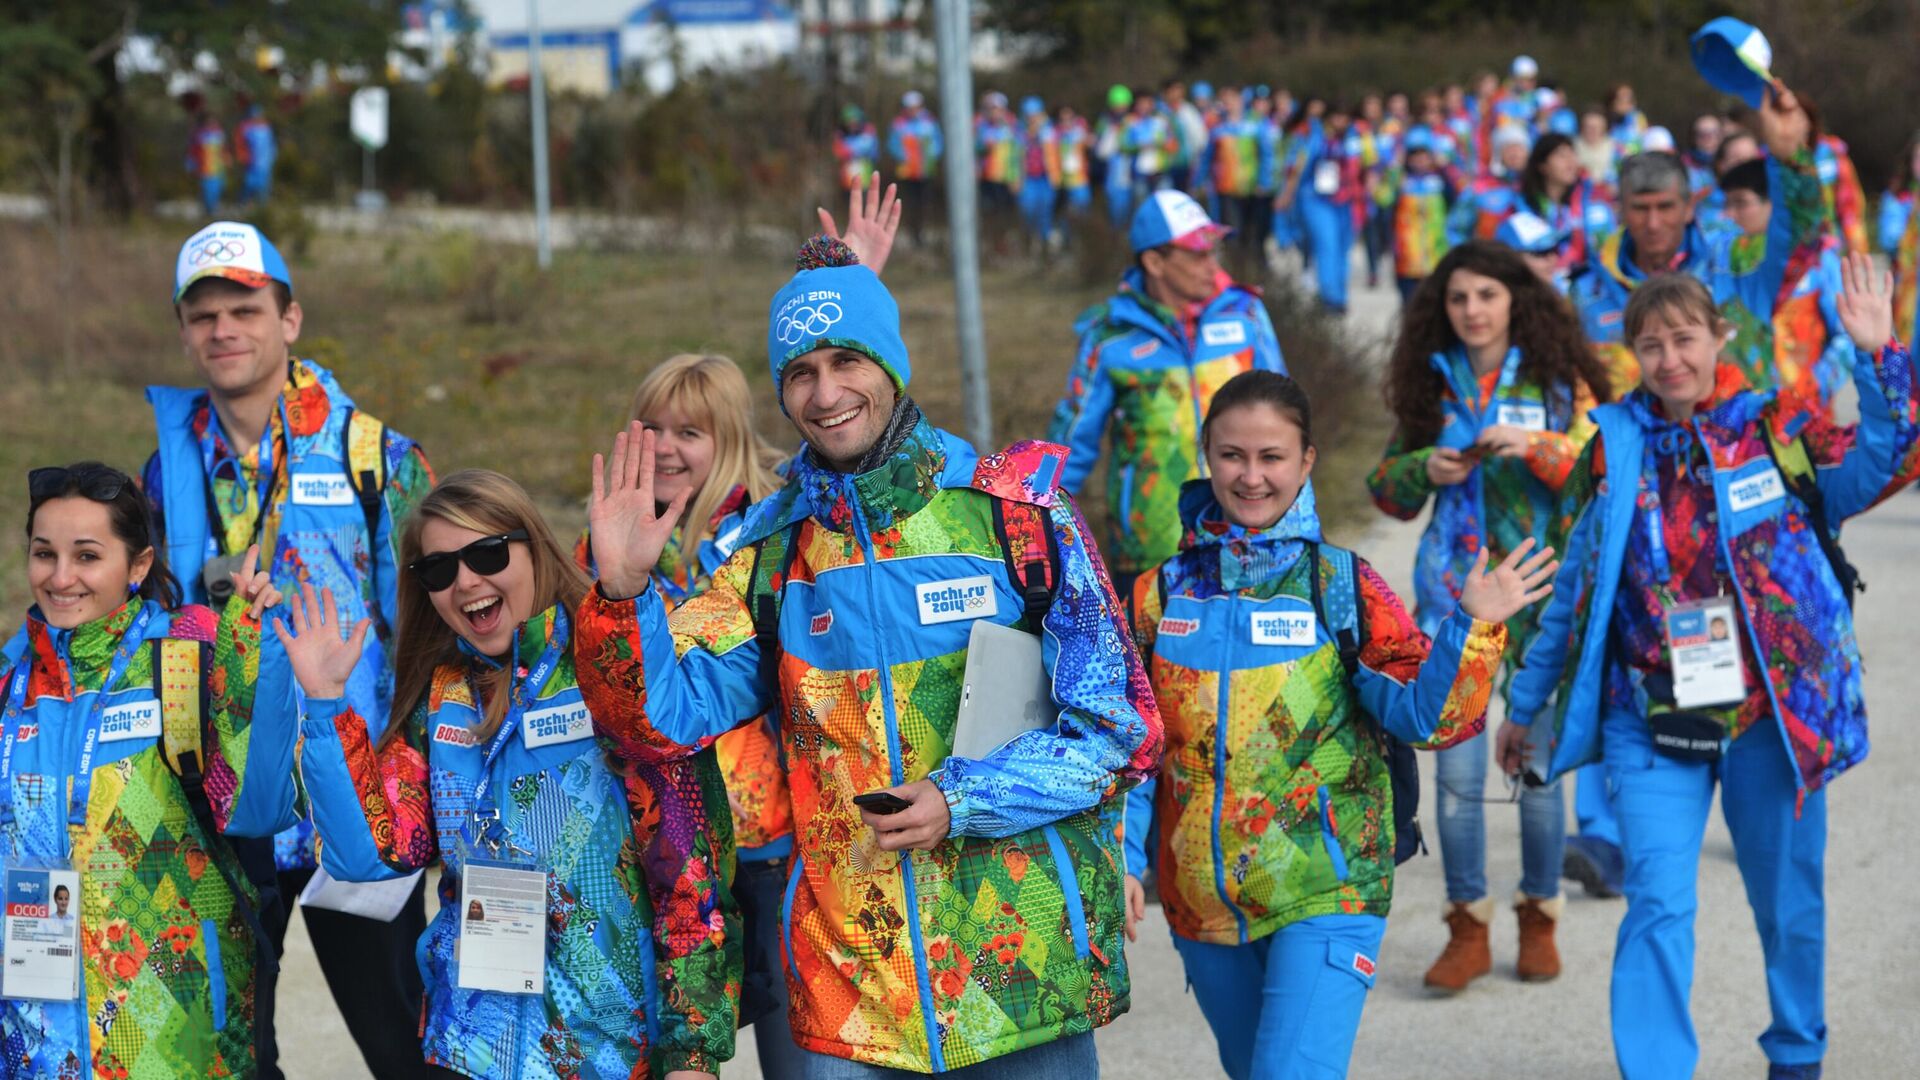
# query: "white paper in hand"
x,y
381,901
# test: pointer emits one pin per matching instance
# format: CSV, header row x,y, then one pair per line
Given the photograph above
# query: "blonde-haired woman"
x,y
489,765
700,411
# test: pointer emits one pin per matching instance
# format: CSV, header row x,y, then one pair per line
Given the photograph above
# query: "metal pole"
x,y
537,90
953,26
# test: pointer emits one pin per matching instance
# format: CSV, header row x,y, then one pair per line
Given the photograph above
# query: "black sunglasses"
x,y
487,555
96,482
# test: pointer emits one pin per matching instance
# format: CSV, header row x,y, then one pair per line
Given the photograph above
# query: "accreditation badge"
x,y
1703,643
41,934
503,927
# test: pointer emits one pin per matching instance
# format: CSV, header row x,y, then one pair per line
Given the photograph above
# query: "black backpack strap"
x,y
1031,550
772,558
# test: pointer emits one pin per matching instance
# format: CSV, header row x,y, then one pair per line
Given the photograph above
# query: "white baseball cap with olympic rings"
x,y
233,250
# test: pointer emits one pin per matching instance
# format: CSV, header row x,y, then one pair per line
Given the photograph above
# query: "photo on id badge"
x,y
41,935
1704,650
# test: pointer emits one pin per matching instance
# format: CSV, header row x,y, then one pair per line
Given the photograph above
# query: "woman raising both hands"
x,y
489,761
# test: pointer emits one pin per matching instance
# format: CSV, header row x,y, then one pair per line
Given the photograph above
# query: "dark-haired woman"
x,y
1553,186
1489,384
489,760
136,732
1276,835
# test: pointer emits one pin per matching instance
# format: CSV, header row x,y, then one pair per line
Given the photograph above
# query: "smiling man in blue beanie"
x,y
965,914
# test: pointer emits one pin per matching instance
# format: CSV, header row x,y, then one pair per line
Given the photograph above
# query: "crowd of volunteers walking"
x,y
697,770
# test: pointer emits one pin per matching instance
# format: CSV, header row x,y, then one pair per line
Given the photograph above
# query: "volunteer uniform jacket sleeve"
x,y
250,728
1399,484
1550,455
1858,467
1081,417
1429,695
1137,823
1546,657
372,807
661,689
1108,737
685,834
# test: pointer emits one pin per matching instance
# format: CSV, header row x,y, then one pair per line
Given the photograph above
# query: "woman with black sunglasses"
x,y
489,765
136,733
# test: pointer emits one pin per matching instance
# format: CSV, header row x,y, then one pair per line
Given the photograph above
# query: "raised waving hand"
x,y
254,585
872,222
322,659
1866,302
629,530
1501,593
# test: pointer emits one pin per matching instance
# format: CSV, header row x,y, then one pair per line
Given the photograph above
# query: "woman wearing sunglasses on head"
x,y
132,741
607,946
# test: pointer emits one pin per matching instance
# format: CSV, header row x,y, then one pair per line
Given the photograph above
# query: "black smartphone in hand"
x,y
881,802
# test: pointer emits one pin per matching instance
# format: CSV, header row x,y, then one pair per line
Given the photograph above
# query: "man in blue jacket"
x,y
1149,361
270,450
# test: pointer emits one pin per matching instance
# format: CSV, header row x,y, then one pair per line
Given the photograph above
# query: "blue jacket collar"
x,y
1246,557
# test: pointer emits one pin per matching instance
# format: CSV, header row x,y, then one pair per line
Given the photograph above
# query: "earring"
x,y
133,588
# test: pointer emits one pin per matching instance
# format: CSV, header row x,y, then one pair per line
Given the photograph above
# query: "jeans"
x,y
759,886
1036,208
1287,1006
1462,776
1072,1058
1662,805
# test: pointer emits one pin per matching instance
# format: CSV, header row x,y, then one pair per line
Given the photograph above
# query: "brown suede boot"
x,y
1539,958
1467,955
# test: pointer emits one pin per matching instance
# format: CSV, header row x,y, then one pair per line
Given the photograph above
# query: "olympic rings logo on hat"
x,y
807,322
218,250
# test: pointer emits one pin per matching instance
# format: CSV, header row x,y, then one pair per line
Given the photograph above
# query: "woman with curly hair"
x,y
1489,385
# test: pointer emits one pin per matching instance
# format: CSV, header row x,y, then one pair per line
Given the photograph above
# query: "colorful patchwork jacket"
x,y
1503,501
167,950
1794,618
857,154
749,756
1148,375
1846,200
1007,935
1786,328
316,528
1420,223
643,954
1239,157
1287,813
914,143
1906,269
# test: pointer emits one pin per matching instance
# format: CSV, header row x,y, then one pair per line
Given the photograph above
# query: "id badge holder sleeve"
x,y
40,930
502,913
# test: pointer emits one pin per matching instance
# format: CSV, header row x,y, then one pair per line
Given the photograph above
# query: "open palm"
x,y
872,221
322,659
629,530
1501,593
1866,302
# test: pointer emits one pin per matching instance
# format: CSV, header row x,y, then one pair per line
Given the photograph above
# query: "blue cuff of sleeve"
x,y
959,809
317,721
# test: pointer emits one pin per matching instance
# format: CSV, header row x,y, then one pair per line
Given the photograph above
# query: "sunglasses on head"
x,y
96,482
485,556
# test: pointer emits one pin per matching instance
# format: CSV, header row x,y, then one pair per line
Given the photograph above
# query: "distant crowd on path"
x,y
698,770
212,156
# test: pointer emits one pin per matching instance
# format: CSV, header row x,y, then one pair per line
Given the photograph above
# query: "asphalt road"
x,y
1501,1027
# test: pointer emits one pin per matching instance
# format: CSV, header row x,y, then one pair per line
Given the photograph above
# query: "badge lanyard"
x,y
484,828
130,643
264,488
1675,441
1509,370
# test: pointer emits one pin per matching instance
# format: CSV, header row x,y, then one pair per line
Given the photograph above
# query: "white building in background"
x,y
596,46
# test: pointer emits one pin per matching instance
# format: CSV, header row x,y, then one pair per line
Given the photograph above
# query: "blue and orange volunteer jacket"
x,y
167,945
1008,934
1274,802
1143,378
643,956
914,142
323,449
